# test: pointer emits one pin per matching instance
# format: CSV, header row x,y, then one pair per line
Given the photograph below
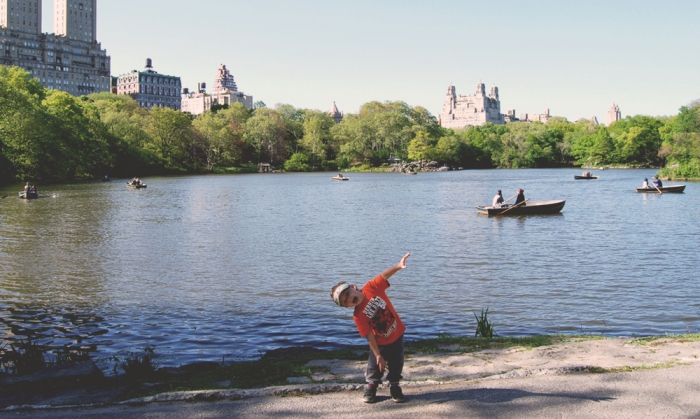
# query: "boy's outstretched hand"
x,y
402,264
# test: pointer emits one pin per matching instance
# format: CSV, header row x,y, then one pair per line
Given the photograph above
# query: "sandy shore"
x,y
575,355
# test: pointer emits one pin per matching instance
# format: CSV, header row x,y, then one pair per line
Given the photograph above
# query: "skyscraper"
x,y
71,60
75,19
21,15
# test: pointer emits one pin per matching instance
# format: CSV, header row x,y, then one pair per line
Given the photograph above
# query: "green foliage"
x,y
51,135
448,343
484,328
265,132
299,162
138,365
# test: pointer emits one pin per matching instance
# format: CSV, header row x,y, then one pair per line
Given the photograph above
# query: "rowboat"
x,y
139,186
586,177
531,208
340,178
665,189
409,173
32,195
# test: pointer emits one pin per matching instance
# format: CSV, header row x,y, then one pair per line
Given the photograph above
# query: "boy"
x,y
377,320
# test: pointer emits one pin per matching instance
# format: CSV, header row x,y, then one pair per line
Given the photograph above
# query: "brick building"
x,y
149,88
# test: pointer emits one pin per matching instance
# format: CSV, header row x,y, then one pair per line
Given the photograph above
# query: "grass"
x,y
688,337
447,343
663,365
484,328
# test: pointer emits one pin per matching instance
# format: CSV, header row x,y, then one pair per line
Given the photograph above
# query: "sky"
x,y
574,57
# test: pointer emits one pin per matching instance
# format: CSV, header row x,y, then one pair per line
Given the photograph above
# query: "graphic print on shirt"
x,y
381,319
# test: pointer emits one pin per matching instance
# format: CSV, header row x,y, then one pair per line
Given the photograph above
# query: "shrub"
x,y
137,365
299,162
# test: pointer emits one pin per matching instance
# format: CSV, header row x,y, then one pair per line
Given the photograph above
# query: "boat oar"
x,y
4,196
657,188
516,205
509,199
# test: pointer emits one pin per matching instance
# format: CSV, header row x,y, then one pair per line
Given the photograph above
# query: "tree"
x,y
22,124
265,132
218,142
169,130
316,126
299,162
127,138
78,145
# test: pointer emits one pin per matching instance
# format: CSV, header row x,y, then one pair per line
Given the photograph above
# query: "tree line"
x,y
51,135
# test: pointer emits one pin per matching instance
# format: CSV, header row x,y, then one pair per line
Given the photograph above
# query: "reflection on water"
x,y
210,266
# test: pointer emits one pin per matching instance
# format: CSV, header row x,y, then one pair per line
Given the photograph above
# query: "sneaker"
x,y
396,394
370,394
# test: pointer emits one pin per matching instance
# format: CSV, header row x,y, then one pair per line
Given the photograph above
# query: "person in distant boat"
x,y
27,189
340,175
657,182
32,189
520,198
646,183
498,199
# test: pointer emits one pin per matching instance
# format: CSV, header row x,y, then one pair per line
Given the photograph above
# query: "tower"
x,y
76,19
21,15
224,81
335,114
614,114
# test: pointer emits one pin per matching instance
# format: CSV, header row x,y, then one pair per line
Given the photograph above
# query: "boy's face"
x,y
351,297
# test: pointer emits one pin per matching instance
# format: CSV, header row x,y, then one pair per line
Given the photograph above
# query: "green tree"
x,y
218,142
126,123
265,132
22,125
316,128
420,147
169,130
299,162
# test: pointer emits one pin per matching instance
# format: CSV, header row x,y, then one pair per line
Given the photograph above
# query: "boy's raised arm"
x,y
391,271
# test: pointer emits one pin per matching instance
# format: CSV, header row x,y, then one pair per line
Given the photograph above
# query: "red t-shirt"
x,y
376,314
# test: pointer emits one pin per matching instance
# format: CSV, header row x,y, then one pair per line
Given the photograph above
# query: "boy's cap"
x,y
338,291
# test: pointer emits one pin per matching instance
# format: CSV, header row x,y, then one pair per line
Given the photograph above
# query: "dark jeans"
x,y
393,355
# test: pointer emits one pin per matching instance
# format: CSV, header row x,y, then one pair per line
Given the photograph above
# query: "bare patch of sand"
x,y
575,355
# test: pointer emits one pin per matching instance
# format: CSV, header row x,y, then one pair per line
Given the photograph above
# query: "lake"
x,y
229,266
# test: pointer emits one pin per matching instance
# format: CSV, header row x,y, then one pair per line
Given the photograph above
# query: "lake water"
x,y
206,267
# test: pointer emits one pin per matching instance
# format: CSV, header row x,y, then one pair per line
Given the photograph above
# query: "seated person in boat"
x,y
657,182
340,176
646,183
497,200
520,198
32,190
27,189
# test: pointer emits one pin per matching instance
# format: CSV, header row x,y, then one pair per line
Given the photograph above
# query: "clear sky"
x,y
574,57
